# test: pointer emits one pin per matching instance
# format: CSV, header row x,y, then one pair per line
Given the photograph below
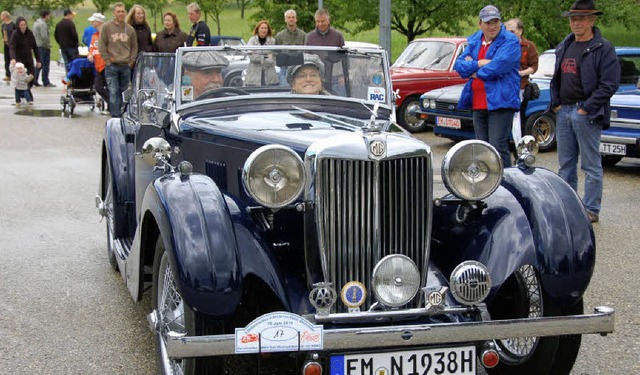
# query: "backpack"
x,y
531,91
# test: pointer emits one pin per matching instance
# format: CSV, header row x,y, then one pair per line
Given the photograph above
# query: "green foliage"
x,y
273,11
102,6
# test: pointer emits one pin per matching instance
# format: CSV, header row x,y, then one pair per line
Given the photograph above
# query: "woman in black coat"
x,y
22,46
137,18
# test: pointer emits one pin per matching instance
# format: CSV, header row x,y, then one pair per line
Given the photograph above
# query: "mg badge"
x,y
377,148
353,294
435,297
322,297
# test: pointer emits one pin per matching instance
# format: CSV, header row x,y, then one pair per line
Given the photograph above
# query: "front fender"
x,y
565,243
533,218
116,155
193,220
213,247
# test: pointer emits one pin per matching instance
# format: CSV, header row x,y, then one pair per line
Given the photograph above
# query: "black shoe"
x,y
49,85
36,84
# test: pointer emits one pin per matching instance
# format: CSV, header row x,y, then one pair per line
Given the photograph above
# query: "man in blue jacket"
x,y
587,74
491,60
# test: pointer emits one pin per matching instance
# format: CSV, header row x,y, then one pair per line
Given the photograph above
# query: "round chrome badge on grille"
x,y
470,282
353,294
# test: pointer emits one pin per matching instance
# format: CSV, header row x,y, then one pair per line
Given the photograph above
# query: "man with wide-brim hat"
x,y
587,74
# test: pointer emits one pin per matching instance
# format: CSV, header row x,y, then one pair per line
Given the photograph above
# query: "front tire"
x,y
610,160
406,116
109,214
542,126
522,296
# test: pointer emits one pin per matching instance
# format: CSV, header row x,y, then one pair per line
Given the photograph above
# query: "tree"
x,y
153,8
102,6
214,8
243,5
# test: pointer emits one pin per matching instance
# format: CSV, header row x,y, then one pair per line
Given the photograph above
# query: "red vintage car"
x,y
425,64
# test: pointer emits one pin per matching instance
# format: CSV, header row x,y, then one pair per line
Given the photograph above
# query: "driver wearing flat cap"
x,y
204,70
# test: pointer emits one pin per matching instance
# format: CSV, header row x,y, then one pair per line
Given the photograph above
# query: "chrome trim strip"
x,y
616,139
625,123
601,321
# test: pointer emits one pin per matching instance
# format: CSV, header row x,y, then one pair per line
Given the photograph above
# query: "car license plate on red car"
x,y
613,149
448,122
447,361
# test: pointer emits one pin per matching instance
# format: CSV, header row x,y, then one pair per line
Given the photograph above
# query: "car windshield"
x,y
222,73
434,55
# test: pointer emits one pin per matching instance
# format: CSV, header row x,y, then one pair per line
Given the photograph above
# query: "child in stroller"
x,y
78,86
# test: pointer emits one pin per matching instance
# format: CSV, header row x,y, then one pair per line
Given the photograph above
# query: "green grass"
x,y
232,24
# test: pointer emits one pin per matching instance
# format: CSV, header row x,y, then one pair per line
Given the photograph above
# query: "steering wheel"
x,y
222,91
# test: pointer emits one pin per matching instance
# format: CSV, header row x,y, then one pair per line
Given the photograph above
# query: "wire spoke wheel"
x,y
170,308
518,349
109,214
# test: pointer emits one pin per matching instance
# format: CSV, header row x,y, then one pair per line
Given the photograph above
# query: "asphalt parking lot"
x,y
64,311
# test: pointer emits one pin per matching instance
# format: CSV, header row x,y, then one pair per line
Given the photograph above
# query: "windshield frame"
x,y
350,53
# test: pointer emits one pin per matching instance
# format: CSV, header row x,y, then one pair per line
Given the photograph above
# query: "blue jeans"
x,y
576,135
118,77
45,59
26,94
495,127
68,54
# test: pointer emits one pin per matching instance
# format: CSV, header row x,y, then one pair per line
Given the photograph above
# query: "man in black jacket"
x,y
67,38
199,35
586,75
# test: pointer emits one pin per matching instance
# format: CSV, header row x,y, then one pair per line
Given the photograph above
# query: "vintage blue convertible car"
x,y
294,228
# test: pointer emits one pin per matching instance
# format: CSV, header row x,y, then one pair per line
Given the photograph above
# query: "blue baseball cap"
x,y
489,13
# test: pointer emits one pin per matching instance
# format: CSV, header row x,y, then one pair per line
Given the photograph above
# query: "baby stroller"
x,y
79,86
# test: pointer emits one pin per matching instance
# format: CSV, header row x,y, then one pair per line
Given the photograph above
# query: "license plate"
x,y
613,149
447,361
448,122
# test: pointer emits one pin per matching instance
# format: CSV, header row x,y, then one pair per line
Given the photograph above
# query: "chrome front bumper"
x,y
601,321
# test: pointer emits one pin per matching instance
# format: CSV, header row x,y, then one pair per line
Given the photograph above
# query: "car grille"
x,y
368,210
450,107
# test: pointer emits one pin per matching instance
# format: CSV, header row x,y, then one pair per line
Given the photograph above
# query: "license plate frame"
x,y
428,361
613,149
448,122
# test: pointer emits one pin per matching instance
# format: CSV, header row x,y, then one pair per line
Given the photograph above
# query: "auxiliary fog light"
x,y
395,280
470,282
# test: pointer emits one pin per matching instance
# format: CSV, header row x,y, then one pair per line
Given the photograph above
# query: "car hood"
x,y
288,128
626,99
407,73
452,93
445,94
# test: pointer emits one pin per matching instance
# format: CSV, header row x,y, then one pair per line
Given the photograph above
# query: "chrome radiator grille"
x,y
368,210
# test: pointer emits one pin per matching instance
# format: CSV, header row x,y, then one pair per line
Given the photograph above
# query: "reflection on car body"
x,y
290,233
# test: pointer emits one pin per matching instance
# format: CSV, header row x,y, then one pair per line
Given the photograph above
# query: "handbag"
x,y
531,91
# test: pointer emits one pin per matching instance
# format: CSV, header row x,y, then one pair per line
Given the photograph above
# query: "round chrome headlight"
x,y
395,280
274,176
472,170
432,104
470,282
